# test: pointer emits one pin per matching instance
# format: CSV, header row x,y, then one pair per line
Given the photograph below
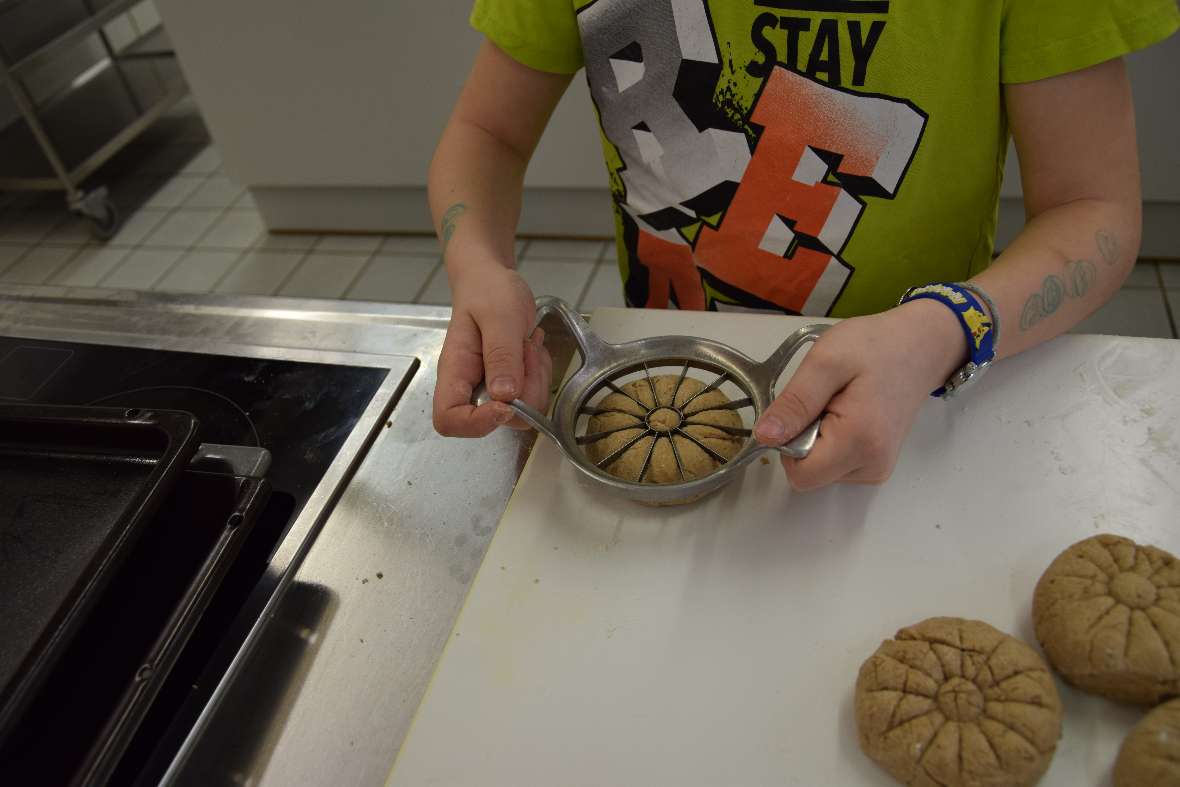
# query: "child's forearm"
x,y
475,188
1079,166
1065,264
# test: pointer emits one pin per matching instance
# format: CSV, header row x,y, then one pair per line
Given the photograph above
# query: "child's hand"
x,y
490,338
869,376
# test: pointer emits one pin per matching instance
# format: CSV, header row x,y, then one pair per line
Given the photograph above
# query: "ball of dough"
x,y
1151,753
675,436
955,702
1107,613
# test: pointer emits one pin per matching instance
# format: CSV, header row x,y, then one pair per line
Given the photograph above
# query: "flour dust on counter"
x,y
679,645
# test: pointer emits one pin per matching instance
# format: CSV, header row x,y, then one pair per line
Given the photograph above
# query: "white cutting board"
x,y
606,643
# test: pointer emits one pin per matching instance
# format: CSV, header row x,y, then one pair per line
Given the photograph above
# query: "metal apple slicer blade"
x,y
660,397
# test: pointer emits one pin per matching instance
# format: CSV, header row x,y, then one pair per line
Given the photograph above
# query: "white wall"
x,y
330,112
348,93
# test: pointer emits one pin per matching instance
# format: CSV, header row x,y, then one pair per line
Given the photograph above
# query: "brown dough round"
x,y
955,702
1107,613
1151,753
626,415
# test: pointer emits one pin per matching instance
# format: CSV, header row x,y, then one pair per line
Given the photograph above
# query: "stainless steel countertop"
x,y
327,684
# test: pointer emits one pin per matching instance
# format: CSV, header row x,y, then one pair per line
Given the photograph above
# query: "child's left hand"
x,y
867,376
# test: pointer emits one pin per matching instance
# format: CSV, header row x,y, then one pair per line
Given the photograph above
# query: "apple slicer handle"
x,y
798,447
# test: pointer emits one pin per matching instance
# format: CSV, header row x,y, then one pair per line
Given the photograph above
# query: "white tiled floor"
x,y
38,264
1132,311
350,244
28,227
198,271
324,275
437,291
72,232
207,162
216,192
189,227
181,229
400,244
1145,306
259,272
138,226
1143,276
389,278
235,229
605,288
246,201
1171,275
10,254
564,278
142,268
275,242
174,192
90,266
573,249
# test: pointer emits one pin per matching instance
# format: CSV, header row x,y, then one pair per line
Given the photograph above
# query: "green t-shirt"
x,y
810,156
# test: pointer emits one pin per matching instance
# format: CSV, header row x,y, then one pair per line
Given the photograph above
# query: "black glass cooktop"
x,y
300,412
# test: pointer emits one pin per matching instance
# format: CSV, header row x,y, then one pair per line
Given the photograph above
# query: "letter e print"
x,y
822,150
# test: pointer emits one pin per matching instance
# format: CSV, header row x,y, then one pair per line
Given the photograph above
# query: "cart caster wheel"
x,y
103,217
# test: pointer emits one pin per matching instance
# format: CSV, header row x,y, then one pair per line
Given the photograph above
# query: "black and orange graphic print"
x,y
759,213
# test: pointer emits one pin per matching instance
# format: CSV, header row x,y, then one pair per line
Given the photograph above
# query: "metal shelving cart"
x,y
61,140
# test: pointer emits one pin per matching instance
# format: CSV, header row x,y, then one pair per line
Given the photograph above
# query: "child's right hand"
x,y
490,338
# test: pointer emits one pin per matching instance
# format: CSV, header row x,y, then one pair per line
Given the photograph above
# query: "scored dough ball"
x,y
1107,613
1151,753
955,702
686,429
